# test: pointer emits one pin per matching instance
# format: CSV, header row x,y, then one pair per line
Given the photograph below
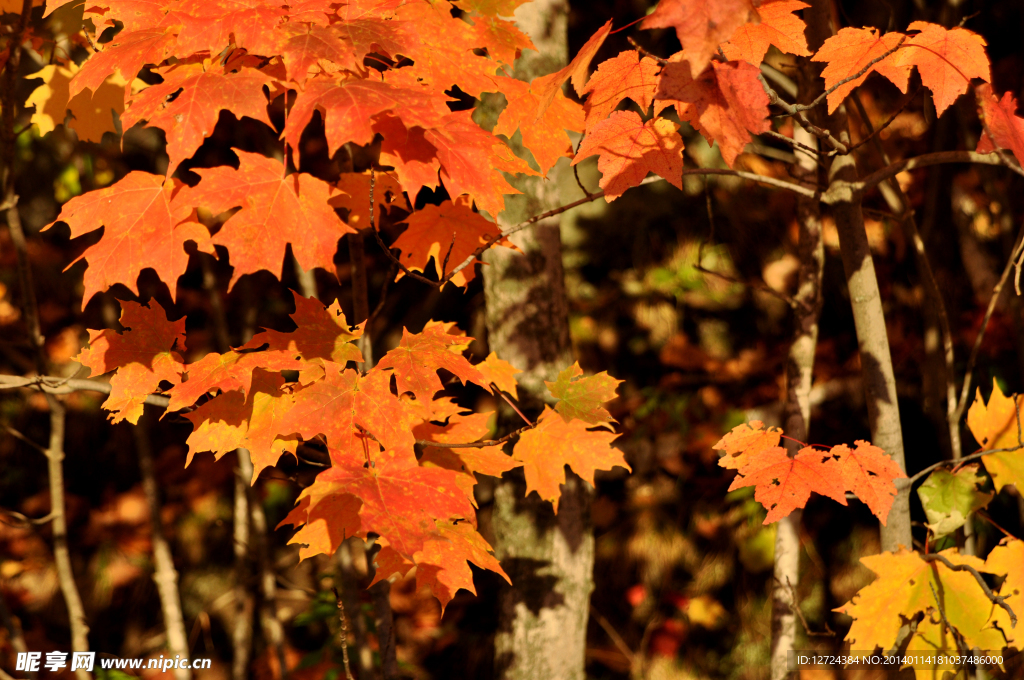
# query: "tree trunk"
x,y
543,618
869,319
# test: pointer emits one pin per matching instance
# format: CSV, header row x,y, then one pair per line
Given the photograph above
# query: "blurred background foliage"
x,y
683,568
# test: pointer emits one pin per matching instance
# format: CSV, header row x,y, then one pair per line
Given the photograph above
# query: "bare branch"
x,y
54,385
922,161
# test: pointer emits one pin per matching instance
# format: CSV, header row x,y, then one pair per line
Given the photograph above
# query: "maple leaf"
x,y
321,333
745,442
212,26
726,103
468,461
127,53
546,87
907,585
503,8
554,443
140,220
628,148
1007,559
408,152
418,357
499,372
546,136
226,372
442,565
625,76
467,153
851,50
949,498
276,210
145,355
93,113
701,25
190,117
994,425
400,498
348,105
947,59
448,233
340,403
504,41
303,46
868,472
325,527
582,398
355,197
778,27
1003,127
785,483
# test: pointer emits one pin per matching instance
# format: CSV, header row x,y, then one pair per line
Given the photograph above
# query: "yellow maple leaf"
x,y
994,425
92,114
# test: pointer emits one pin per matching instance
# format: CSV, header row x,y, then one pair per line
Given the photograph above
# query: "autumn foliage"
x,y
388,76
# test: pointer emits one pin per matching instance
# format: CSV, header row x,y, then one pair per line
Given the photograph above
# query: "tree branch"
x,y
49,384
998,600
923,161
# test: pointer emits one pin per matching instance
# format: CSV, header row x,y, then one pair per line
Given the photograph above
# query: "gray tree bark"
x,y
543,617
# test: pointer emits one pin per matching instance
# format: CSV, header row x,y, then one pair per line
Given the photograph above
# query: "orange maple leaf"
x,y
499,372
869,473
851,50
726,103
625,76
418,357
442,565
227,372
141,231
785,483
546,136
746,441
128,52
408,152
277,210
545,87
1003,127
554,443
947,59
355,197
146,354
628,148
322,333
779,27
448,233
701,25
190,117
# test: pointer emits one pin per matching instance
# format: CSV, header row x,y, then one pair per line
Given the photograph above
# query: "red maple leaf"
x,y
276,210
628,148
701,25
746,441
554,443
784,484
1003,127
303,47
726,103
141,231
448,233
355,197
778,26
227,372
189,118
408,152
145,355
625,76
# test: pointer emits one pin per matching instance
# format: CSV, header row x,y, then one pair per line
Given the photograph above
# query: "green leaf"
x,y
582,398
949,498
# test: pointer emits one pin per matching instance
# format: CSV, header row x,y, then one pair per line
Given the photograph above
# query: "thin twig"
x,y
965,390
922,161
22,521
960,644
646,53
828,632
614,636
475,445
343,635
791,109
872,132
54,385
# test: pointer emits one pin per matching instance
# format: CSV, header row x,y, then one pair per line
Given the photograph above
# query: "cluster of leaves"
x,y
282,389
964,616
